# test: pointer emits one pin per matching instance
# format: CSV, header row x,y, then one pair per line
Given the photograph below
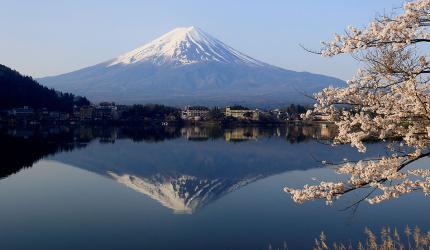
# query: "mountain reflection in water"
x,y
184,169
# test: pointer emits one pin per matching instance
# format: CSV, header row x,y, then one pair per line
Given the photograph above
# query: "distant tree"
x,y
238,107
150,112
248,115
266,117
389,98
215,114
296,109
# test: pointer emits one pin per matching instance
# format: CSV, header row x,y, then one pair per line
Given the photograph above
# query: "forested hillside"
x,y
17,90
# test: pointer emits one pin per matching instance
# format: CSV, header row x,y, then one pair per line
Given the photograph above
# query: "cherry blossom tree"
x,y
388,99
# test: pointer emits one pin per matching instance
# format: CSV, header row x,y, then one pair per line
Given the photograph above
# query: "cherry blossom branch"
x,y
388,98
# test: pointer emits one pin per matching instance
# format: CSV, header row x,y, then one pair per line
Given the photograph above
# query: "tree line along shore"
x,y
24,101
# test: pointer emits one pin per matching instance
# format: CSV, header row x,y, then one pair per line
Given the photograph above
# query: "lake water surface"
x,y
180,188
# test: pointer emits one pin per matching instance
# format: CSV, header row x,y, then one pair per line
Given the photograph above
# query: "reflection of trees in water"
x,y
202,133
149,134
22,147
180,183
299,133
294,133
137,134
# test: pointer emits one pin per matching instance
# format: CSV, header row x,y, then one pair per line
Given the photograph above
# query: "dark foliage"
x,y
215,114
267,118
17,90
296,109
238,107
22,152
151,112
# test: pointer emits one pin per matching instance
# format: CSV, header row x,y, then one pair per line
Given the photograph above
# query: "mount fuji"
x,y
189,66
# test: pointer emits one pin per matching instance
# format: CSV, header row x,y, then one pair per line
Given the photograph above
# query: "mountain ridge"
x,y
186,66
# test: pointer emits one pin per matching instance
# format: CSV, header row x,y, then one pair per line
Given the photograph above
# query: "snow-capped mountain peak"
x,y
187,66
181,46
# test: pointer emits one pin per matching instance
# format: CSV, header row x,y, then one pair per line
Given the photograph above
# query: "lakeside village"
x,y
154,114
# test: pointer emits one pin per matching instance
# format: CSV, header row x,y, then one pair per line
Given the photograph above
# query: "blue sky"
x,y
49,37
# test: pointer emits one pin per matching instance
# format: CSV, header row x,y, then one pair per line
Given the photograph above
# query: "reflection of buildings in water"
x,y
320,131
105,135
309,131
302,132
204,133
86,133
108,136
294,133
170,130
194,133
278,132
183,192
241,134
326,132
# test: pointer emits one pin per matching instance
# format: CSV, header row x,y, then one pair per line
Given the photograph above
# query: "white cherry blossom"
x,y
388,99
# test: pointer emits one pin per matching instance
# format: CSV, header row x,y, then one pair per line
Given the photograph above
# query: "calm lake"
x,y
180,188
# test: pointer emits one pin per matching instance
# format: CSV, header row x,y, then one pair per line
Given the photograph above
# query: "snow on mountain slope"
x,y
184,46
189,66
183,194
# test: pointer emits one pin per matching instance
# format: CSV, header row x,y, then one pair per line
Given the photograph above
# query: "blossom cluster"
x,y
325,190
402,30
372,171
388,99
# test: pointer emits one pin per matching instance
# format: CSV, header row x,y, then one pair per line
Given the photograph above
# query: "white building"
x,y
242,113
194,113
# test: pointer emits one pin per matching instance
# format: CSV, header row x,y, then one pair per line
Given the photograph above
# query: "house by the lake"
x,y
194,113
243,113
